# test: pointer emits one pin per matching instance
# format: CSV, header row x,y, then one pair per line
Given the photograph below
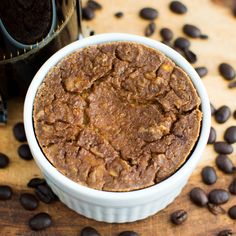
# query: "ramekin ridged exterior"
x,y
118,207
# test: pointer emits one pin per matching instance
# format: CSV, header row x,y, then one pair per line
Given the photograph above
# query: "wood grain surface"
x,y
220,25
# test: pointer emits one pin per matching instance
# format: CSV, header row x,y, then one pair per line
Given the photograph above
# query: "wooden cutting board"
x,y
220,25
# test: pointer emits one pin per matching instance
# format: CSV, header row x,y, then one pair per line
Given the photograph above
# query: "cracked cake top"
x,y
117,116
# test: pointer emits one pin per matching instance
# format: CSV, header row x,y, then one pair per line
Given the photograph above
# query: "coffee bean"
x,y
119,14
213,110
232,212
92,32
150,29
29,201
178,7
182,43
5,192
234,10
128,233
227,71
192,31
148,13
225,164
45,194
202,71
166,34
94,5
190,56
215,209
40,221
232,187
209,175
232,84
4,160
225,232
212,136
230,134
35,182
19,132
222,114
198,196
178,217
89,231
87,13
24,152
234,114
223,148
203,36
218,196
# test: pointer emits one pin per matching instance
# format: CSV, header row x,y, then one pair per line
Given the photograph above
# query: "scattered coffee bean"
x,y
198,196
223,148
166,34
212,136
178,217
45,194
92,32
222,114
190,56
119,14
215,209
89,231
213,110
234,10
232,187
87,13
29,201
225,164
192,31
24,152
209,175
148,13
232,212
94,5
182,43
178,7
35,182
232,84
225,232
4,160
202,71
19,132
150,29
234,114
40,221
5,192
218,196
227,71
128,233
230,134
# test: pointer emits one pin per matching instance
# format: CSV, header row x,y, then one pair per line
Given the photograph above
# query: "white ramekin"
x,y
112,206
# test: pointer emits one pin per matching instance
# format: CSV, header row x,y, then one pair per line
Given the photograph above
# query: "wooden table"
x,y
215,21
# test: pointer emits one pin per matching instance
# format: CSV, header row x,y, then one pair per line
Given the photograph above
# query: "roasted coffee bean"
x,y
148,13
192,31
232,212
178,217
218,196
19,132
222,114
198,196
209,175
202,71
213,110
232,84
119,14
215,209
45,194
166,34
29,201
182,43
212,136
40,221
232,187
89,231
225,164
87,13
230,134
225,232
190,56
94,5
92,32
24,152
4,160
128,233
35,182
178,7
227,71
5,192
234,114
223,148
150,29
